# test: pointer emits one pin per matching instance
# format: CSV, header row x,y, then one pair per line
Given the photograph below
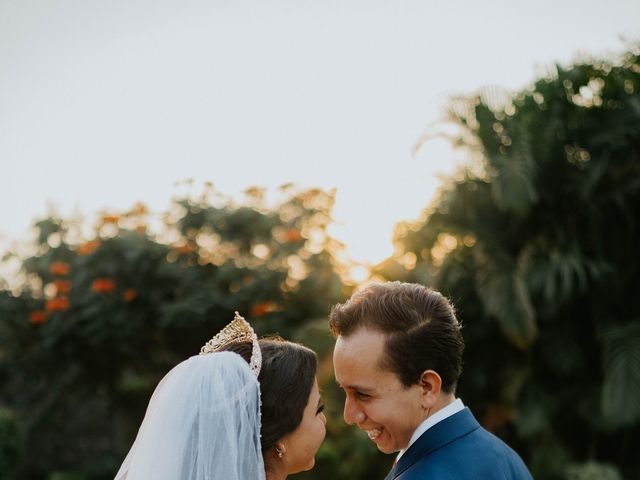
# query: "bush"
x,y
10,443
98,318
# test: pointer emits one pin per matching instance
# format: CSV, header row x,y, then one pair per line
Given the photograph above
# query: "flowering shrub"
x,y
97,320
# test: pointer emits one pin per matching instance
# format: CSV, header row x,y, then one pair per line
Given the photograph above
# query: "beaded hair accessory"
x,y
238,331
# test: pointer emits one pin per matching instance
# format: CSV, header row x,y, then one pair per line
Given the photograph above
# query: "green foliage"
x,y
67,476
593,471
621,389
536,245
97,319
10,443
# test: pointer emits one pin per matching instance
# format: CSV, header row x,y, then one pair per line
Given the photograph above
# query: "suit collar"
x,y
446,431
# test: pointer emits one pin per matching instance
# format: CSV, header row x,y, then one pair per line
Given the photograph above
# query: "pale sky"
x,y
104,103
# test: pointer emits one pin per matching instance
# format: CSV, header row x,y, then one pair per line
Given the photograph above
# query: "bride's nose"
x,y
323,417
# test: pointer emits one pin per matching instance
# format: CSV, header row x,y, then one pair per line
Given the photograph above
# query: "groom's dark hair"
x,y
420,324
286,378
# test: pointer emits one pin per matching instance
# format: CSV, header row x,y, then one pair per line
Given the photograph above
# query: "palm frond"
x,y
504,296
621,388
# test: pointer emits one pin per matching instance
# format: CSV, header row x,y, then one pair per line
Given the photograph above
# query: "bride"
x,y
241,410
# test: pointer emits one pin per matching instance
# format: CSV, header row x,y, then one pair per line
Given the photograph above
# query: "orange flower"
x,y
292,235
38,317
58,304
62,286
110,219
88,247
103,285
59,268
139,208
260,309
183,249
129,294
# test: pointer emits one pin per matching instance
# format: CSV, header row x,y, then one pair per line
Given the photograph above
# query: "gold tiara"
x,y
237,331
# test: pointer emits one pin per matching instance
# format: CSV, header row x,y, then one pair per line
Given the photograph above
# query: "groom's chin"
x,y
387,450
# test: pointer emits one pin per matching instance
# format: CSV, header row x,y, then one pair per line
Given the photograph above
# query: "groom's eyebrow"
x,y
357,388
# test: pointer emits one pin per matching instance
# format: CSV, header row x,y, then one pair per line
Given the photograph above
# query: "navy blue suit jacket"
x,y
458,448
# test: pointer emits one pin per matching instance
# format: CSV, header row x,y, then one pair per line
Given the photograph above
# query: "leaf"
x,y
504,295
621,388
512,184
592,470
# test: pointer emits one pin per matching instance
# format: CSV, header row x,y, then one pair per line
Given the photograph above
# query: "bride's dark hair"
x,y
287,375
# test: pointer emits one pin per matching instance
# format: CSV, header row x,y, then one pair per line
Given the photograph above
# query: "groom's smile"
x,y
376,400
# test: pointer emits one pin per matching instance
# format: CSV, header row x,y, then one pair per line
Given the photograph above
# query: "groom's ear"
x,y
431,385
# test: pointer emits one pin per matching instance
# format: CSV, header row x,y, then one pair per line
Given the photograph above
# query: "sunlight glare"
x,y
359,274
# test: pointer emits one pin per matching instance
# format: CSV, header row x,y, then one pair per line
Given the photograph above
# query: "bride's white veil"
x,y
202,423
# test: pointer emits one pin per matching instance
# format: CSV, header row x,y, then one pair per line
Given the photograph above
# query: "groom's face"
x,y
376,400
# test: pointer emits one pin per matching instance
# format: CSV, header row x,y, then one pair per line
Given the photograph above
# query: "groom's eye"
x,y
362,395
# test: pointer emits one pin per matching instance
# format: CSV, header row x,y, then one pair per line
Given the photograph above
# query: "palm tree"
x,y
535,244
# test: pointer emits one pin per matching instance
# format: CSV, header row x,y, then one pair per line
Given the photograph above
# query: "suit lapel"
x,y
392,472
390,475
446,431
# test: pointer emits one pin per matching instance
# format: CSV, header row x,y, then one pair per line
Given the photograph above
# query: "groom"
x,y
398,356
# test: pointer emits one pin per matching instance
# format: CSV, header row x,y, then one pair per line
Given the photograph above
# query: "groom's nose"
x,y
353,414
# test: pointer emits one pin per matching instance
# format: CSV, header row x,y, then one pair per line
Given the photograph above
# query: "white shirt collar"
x,y
445,412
